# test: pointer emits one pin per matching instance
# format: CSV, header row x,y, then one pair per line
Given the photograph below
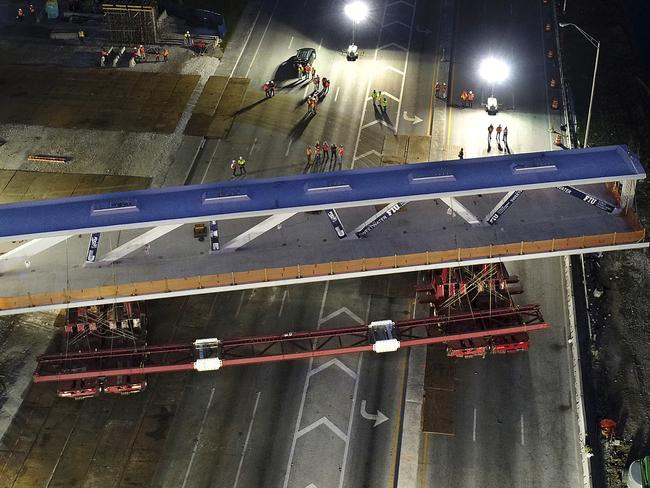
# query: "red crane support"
x,y
288,346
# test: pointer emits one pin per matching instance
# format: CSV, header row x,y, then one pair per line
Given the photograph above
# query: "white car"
x,y
491,106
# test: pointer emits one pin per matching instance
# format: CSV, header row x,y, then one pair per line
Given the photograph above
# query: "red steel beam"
x,y
289,356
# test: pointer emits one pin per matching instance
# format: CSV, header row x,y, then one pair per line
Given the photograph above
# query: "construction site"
x,y
336,377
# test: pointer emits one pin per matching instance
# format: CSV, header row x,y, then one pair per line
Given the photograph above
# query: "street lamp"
x,y
356,11
493,71
596,43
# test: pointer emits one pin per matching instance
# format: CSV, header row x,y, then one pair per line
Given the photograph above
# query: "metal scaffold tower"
x,y
132,22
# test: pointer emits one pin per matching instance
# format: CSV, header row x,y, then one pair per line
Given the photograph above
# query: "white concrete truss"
x,y
135,244
460,209
21,254
257,230
381,216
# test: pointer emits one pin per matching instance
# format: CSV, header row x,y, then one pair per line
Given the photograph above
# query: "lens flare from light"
x,y
494,70
357,11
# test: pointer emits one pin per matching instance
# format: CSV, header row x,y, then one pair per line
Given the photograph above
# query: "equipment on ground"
x,y
352,53
492,107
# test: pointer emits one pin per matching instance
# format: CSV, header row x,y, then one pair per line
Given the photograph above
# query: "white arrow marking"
x,y
380,418
334,362
415,120
423,31
311,485
341,310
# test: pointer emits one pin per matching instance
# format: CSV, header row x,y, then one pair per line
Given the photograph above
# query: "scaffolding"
x,y
132,22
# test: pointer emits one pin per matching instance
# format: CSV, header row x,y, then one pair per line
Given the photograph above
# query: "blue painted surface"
x,y
266,196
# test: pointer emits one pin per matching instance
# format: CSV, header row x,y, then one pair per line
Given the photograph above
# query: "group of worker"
x,y
379,100
306,72
238,164
269,88
467,98
500,131
441,90
324,153
20,15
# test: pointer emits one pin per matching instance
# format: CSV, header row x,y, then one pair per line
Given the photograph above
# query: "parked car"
x,y
305,56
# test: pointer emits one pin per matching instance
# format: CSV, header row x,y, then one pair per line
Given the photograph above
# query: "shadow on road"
x,y
301,125
252,105
285,71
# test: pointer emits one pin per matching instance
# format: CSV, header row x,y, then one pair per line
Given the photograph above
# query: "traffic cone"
x,y
547,27
558,140
555,104
550,54
553,83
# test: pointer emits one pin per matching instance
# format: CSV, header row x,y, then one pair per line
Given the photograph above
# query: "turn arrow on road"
x,y
380,418
415,120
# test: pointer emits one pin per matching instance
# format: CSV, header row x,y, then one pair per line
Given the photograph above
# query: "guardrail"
x,y
124,291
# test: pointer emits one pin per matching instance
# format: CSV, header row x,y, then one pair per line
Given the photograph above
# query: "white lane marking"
x,y
216,146
248,37
396,22
523,440
290,42
391,96
262,39
288,147
307,87
284,297
393,68
304,395
334,362
353,407
248,436
337,93
392,44
474,427
241,302
65,444
341,310
406,64
368,153
250,151
320,44
198,438
327,423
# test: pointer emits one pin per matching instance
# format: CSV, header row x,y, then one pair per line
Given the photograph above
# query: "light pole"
x,y
596,43
493,71
356,11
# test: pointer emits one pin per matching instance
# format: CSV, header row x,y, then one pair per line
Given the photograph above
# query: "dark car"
x,y
305,56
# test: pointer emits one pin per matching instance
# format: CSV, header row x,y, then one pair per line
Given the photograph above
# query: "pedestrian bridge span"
x,y
142,244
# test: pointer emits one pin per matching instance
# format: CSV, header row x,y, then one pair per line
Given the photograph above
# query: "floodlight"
x,y
357,11
494,70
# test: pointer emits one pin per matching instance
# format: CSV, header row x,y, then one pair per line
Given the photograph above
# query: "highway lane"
x,y
295,423
515,414
512,32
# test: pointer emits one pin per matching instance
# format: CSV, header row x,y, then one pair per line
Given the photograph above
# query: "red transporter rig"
x,y
104,328
213,354
472,289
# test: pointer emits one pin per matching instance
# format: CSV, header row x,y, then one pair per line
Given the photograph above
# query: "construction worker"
x,y
157,54
233,167
341,153
461,153
463,98
443,91
309,155
384,104
165,54
499,129
470,98
319,153
326,151
20,15
32,10
326,86
307,69
316,83
82,35
437,89
490,129
103,55
142,53
187,39
333,150
242,165
301,71
313,72
374,97
505,135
